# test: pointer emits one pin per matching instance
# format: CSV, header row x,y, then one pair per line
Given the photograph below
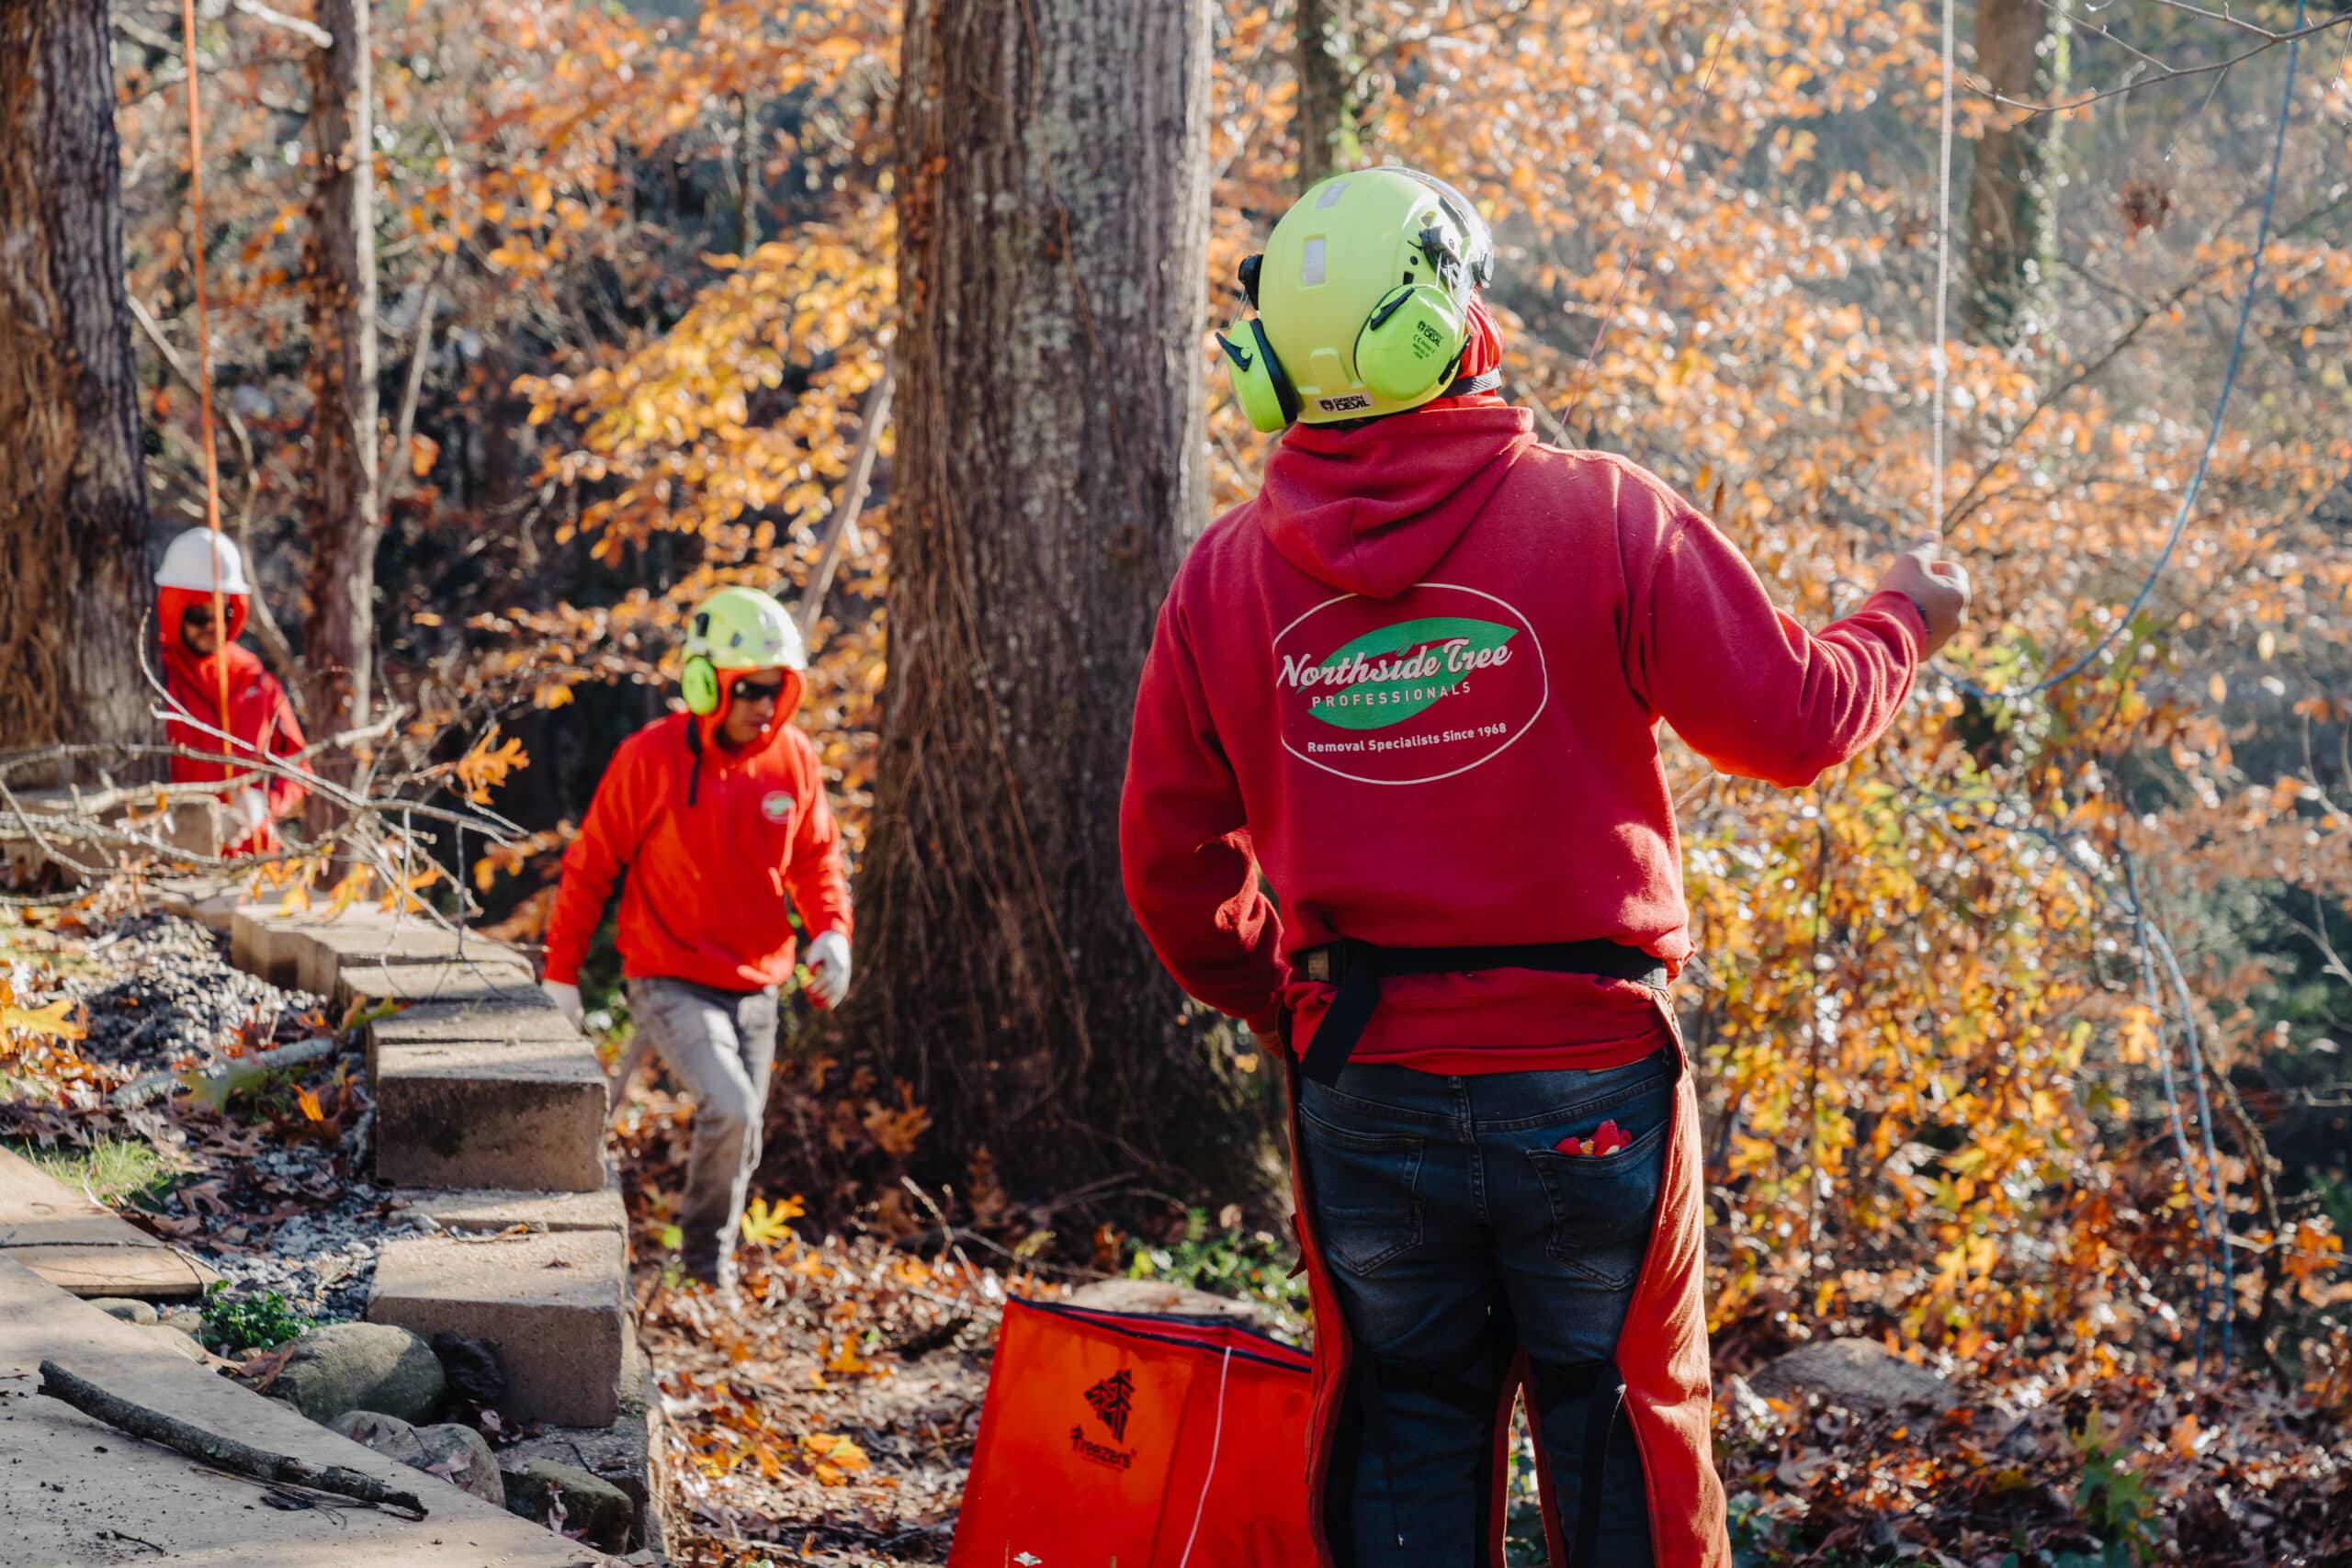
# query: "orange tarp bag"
x,y
1117,1442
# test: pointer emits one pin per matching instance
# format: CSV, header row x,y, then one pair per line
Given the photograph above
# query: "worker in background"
x,y
200,586
717,816
1415,681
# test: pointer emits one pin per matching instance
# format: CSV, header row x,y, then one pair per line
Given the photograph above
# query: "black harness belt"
x,y
1357,968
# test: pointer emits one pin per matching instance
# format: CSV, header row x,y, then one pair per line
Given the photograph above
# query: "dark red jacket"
x,y
258,714
712,847
1416,681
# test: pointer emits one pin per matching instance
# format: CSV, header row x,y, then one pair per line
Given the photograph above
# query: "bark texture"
x,y
73,499
2022,48
1326,132
1053,222
340,268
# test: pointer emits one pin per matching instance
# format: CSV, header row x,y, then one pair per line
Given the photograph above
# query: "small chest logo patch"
x,y
776,805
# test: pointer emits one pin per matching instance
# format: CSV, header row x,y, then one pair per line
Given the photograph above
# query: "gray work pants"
x,y
720,1047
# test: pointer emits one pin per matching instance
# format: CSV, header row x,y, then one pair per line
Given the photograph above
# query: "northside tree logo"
x,y
1409,689
1114,1400
1397,672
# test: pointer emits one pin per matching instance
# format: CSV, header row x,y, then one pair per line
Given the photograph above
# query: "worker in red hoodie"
x,y
1414,683
718,816
200,586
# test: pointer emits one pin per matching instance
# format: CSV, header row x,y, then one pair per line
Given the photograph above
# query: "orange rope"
x,y
204,350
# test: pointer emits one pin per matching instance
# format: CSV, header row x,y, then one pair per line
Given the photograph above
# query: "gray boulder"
x,y
461,1456
454,1454
124,1308
1860,1375
595,1510
388,1435
177,1342
361,1365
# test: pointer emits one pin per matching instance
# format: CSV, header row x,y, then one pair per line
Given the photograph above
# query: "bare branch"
x,y
2162,72
841,527
391,471
316,36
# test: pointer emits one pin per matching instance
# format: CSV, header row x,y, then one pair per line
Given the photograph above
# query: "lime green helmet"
x,y
1362,299
736,629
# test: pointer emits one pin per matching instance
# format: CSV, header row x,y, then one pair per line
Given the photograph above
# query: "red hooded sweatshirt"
x,y
712,843
1416,681
258,715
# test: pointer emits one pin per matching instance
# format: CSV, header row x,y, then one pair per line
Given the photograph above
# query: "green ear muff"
x,y
698,678
1411,342
1259,381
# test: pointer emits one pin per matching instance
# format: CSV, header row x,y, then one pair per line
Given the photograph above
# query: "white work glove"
x,y
829,968
565,997
252,808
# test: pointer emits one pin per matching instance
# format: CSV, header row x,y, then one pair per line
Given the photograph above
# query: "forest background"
x,y
2021,1038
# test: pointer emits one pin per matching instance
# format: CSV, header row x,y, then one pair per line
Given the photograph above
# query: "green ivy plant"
x,y
249,1323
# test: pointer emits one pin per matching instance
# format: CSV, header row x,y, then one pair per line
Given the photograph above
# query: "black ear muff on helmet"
x,y
1259,379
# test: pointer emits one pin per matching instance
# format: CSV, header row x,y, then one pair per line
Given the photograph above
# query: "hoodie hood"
x,y
186,671
1370,509
702,730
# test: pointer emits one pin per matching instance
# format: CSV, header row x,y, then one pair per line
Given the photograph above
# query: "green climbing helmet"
x,y
1362,300
736,629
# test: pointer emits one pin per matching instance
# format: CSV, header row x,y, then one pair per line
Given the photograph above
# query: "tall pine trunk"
x,y
2022,48
1053,224
338,640
72,500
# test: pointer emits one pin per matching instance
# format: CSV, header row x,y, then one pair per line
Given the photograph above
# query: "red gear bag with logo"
x,y
1143,1442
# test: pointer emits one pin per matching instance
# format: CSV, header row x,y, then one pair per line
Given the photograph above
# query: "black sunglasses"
x,y
759,691
196,619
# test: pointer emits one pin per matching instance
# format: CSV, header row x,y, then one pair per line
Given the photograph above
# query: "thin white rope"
x,y
1941,361
1217,1437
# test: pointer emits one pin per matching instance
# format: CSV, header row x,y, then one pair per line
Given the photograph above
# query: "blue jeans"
x,y
1437,1201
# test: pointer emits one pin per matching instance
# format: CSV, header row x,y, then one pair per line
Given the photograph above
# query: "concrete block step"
x,y
513,1017
254,947
513,1114
496,1210
505,980
554,1306
333,946
622,1454
209,901
311,949
199,827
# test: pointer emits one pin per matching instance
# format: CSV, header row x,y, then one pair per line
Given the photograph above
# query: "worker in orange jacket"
x,y
203,574
717,816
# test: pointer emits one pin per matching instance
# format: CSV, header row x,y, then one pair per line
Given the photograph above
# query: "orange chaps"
x,y
1661,1357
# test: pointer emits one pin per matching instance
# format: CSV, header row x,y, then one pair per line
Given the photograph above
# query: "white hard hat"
x,y
204,560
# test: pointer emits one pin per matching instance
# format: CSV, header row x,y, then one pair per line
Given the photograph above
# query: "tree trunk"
x,y
339,640
2022,48
1053,228
72,501
1326,119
